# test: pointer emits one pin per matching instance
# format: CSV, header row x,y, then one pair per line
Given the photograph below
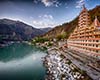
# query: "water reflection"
x,y
27,67
15,51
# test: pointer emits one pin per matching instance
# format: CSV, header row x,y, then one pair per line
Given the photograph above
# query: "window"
x,y
96,45
97,51
97,40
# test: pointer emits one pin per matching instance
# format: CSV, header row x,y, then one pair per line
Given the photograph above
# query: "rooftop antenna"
x,y
83,4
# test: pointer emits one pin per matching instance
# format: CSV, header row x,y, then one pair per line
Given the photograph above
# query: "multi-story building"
x,y
86,36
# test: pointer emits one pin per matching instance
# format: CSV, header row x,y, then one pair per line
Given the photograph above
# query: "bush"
x,y
62,36
39,40
50,44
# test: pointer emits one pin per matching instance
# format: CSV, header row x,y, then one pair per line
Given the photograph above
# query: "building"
x,y
86,36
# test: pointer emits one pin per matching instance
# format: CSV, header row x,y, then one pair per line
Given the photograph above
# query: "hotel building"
x,y
86,36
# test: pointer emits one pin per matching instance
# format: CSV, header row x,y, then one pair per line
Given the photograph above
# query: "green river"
x,y
21,61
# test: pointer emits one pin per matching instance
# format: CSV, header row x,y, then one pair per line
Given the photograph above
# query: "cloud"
x,y
42,24
66,5
49,17
49,3
80,3
45,20
36,1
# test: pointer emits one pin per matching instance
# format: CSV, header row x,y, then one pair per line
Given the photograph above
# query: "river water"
x,y
21,61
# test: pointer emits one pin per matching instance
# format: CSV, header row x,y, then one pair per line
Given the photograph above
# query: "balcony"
x,y
97,33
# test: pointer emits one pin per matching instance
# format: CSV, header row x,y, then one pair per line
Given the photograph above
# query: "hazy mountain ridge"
x,y
46,29
16,30
69,27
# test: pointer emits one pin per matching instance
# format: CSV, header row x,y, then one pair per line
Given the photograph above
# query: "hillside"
x,y
45,29
16,30
67,28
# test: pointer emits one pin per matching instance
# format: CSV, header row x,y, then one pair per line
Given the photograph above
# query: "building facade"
x,y
86,36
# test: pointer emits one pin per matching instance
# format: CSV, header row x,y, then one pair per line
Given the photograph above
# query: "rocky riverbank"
x,y
63,64
61,68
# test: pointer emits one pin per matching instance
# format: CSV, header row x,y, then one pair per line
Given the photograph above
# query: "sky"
x,y
44,13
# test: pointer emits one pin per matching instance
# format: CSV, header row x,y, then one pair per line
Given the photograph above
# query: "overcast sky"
x,y
43,13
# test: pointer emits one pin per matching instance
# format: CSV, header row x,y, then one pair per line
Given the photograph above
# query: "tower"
x,y
86,36
84,18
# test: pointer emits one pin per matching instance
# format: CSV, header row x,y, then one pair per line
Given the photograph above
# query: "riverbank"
x,y
79,68
61,68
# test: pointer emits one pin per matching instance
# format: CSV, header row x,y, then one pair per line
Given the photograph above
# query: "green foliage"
x,y
61,36
49,44
39,40
69,62
44,48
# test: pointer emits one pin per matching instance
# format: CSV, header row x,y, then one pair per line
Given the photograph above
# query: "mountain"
x,y
46,29
16,30
67,28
